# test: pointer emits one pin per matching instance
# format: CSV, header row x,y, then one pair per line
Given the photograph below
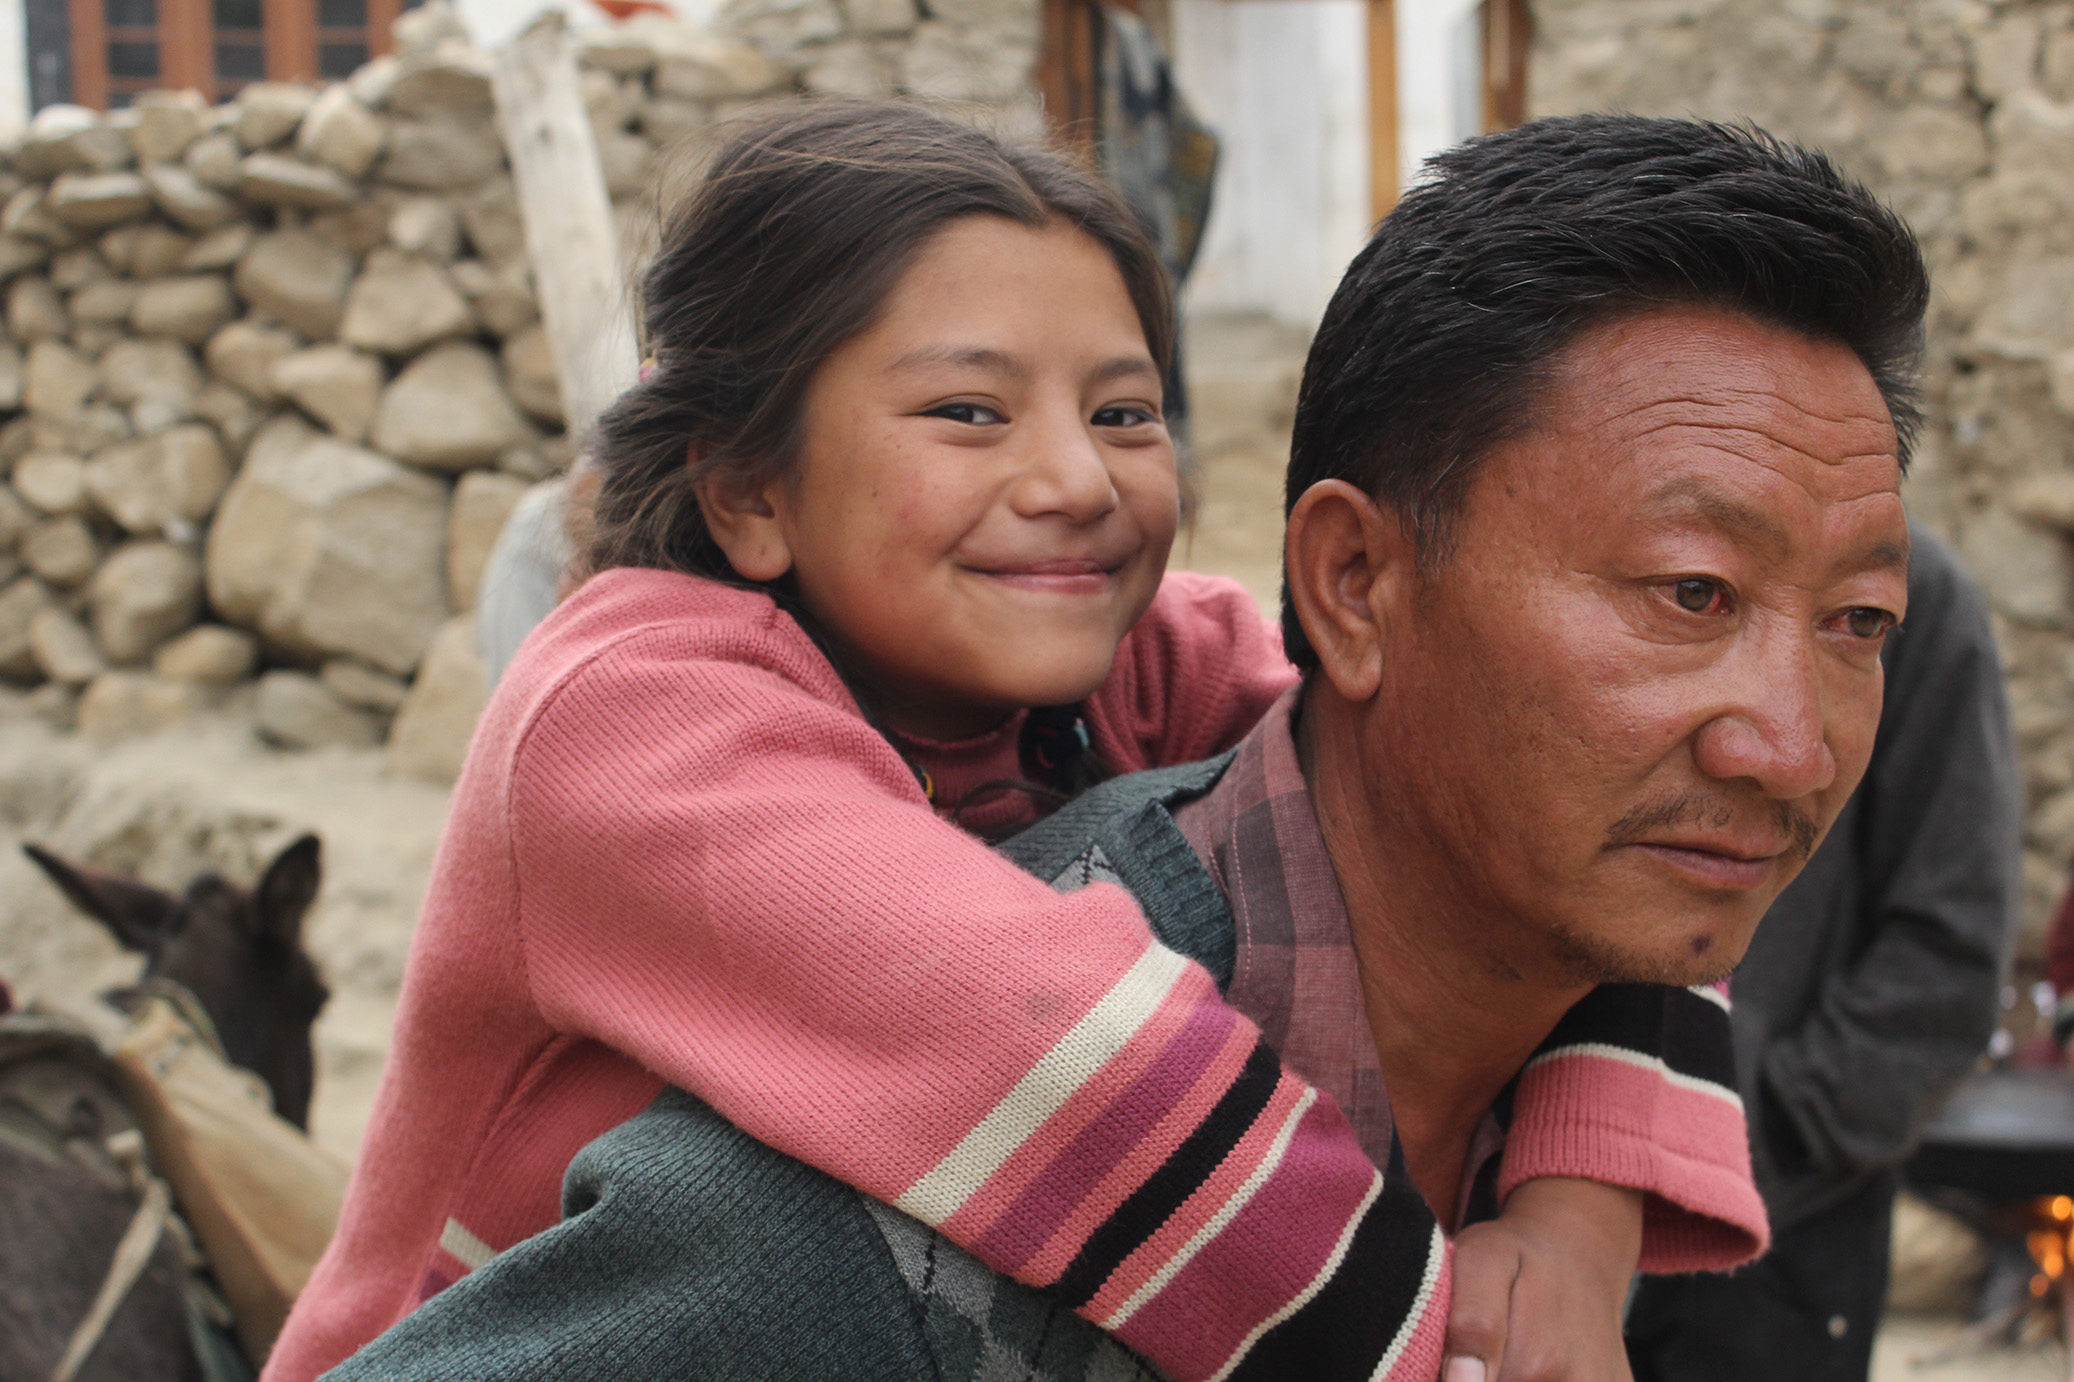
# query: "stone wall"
x,y
1961,113
272,375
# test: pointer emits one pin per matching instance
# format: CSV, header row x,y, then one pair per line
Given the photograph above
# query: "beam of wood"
x,y
186,58
291,39
571,238
1382,108
89,53
1507,30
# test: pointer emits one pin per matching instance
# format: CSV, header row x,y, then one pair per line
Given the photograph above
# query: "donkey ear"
x,y
140,916
288,888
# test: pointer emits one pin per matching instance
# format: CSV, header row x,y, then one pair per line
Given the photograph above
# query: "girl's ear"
x,y
742,515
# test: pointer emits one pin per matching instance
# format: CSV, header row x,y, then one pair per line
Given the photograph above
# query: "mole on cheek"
x,y
1702,944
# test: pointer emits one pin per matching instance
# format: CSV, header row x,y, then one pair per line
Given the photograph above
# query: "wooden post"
x,y
186,57
1507,29
291,40
1382,108
572,241
89,53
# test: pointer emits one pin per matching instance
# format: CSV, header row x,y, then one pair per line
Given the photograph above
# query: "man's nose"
x,y
1772,728
1065,472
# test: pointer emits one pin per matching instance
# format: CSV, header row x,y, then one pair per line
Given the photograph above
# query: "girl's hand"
x,y
1538,1291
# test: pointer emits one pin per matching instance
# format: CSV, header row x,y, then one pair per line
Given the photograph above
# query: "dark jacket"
x,y
1870,988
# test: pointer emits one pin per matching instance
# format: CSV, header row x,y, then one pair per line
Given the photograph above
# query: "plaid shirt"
x,y
1297,974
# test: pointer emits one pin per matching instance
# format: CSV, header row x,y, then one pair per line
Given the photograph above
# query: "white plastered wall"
x,y
14,69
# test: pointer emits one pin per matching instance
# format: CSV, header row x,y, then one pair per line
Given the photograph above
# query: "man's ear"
x,y
742,515
1346,558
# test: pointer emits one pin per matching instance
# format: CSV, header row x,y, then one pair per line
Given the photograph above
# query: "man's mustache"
x,y
1703,809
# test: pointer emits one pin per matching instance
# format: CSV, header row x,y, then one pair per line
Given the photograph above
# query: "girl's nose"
x,y
1065,473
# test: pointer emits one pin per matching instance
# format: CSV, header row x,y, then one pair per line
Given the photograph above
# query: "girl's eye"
x,y
1700,595
1867,622
972,414
1123,415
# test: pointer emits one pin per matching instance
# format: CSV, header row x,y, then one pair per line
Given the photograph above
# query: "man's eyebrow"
x,y
1881,556
1731,515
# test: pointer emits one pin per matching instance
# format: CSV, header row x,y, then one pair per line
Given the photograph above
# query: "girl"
x,y
886,526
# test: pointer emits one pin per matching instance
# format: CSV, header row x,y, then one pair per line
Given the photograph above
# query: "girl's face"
x,y
986,494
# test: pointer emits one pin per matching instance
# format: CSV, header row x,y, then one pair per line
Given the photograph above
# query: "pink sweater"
x,y
673,837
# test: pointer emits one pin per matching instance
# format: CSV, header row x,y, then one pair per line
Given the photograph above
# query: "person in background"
x,y
1867,995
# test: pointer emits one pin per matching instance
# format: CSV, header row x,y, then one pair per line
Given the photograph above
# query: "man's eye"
x,y
1698,595
1122,416
1866,622
972,414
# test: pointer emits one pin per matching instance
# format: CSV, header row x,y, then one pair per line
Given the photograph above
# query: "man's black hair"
x,y
1439,338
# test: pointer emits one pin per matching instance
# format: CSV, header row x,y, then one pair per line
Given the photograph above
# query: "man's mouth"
x,y
1738,867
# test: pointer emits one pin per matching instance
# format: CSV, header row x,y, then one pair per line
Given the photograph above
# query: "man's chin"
x,y
1705,955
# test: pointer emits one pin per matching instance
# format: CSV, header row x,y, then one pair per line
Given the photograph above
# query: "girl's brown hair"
x,y
789,245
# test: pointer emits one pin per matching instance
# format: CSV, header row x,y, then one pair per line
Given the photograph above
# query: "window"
x,y
121,47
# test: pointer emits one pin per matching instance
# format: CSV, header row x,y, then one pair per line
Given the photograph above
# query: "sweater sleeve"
x,y
1636,1087
797,939
1192,677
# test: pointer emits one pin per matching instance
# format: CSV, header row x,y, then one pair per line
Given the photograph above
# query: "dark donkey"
x,y
240,955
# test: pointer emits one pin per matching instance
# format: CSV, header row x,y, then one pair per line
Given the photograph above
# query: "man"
x,y
1867,995
1594,539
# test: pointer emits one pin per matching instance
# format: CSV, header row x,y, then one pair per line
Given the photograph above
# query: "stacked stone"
x,y
1961,113
273,375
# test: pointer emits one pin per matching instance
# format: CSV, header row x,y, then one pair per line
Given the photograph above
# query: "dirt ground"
x,y
211,796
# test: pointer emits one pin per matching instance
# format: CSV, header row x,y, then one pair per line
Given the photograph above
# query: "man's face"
x,y
1638,689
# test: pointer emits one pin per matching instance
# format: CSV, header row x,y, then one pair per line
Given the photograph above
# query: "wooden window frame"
x,y
185,35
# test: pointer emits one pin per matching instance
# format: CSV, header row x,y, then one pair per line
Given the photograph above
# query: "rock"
x,y
624,50
849,68
27,216
185,199
1938,1260
400,304
63,649
370,84
35,312
340,133
2024,569
2047,499
125,705
430,737
483,502
296,711
214,159
335,384
358,684
268,112
166,484
20,603
208,653
611,102
704,68
117,245
61,550
52,481
297,278
328,549
48,147
142,595
167,122
245,353
947,64
1014,21
452,83
356,229
278,180
187,308
86,431
11,379
157,250
160,374
17,254
440,155
92,200
77,267
667,121
57,380
219,248
231,411
15,519
881,17
106,303
425,29
447,411
529,375
502,296
426,226
625,160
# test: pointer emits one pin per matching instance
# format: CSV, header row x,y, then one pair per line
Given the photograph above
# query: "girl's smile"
x,y
985,496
